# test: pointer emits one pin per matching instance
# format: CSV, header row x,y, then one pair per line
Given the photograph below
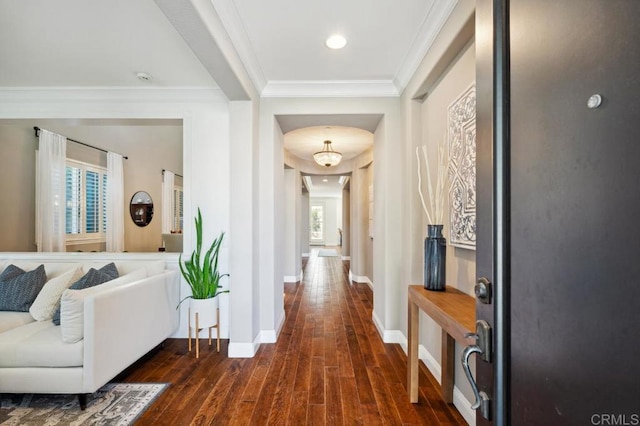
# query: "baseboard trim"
x,y
378,324
281,325
459,400
293,278
268,336
360,279
271,336
346,257
244,350
388,336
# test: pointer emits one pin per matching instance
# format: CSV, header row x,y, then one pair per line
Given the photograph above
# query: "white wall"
x,y
367,222
292,225
244,319
332,218
271,225
346,222
304,222
361,242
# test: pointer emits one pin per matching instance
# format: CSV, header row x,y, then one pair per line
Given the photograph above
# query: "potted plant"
x,y
203,278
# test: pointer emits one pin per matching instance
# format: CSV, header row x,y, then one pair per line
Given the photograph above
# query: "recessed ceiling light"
x,y
336,41
143,76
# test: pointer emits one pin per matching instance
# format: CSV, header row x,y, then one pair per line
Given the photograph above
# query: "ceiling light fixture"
x,y
336,41
325,180
327,157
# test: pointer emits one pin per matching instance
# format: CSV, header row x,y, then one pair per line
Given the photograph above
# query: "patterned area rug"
x,y
113,404
327,253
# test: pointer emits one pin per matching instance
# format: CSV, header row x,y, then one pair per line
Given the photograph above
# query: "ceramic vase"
x,y
435,259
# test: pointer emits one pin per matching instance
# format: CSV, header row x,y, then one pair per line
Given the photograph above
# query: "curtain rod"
x,y
163,170
37,129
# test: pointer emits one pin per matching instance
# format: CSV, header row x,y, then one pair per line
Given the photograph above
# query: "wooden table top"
x,y
452,309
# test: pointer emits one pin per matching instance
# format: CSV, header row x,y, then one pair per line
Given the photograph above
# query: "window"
x,y
86,202
178,209
317,223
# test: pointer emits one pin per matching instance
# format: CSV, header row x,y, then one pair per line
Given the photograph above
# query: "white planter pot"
x,y
206,310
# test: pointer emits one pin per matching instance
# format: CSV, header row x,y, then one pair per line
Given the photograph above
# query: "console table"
x,y
452,310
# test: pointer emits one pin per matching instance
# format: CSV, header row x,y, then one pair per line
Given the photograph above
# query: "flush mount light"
x,y
325,180
327,157
143,76
336,41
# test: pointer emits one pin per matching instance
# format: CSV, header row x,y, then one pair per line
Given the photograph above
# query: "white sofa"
x,y
122,322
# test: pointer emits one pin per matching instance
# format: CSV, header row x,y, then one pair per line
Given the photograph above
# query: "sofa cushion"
x,y
154,267
72,305
10,319
18,289
48,300
53,269
110,270
38,344
92,278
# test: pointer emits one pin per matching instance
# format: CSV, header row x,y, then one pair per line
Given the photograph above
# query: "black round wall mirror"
x,y
141,208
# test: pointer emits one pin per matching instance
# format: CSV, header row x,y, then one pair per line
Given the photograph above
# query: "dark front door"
x,y
559,209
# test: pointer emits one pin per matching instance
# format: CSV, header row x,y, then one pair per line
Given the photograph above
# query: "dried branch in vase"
x,y
435,209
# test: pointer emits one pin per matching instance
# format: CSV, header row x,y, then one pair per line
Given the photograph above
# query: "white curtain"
x,y
167,201
115,202
50,211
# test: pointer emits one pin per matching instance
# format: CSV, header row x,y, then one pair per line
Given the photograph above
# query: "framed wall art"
x,y
462,169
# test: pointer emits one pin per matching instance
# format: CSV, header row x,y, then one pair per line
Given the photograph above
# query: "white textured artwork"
x,y
462,169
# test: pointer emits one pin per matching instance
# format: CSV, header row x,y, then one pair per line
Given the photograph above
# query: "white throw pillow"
x,y
72,305
48,299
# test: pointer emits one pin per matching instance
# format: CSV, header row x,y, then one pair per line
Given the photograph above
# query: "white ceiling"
x,y
93,43
281,42
319,188
350,141
290,122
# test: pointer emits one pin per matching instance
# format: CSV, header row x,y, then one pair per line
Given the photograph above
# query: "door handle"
x,y
483,349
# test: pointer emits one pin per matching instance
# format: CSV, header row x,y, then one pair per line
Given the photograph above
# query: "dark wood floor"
x,y
329,366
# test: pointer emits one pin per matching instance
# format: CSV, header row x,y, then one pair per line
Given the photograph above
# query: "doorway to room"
x,y
316,224
326,209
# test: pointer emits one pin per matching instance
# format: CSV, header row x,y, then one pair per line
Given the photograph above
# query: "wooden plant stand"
x,y
197,328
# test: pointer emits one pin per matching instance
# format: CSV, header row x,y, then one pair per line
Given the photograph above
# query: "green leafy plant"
x,y
203,277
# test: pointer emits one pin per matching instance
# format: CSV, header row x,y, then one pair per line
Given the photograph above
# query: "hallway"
x,y
329,366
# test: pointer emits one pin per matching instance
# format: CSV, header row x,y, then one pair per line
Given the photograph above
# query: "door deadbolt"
x,y
483,290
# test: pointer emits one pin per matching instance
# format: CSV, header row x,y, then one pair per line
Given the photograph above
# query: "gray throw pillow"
x,y
111,270
18,289
90,279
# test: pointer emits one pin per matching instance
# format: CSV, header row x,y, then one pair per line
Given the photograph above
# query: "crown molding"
x,y
234,26
111,94
431,26
330,88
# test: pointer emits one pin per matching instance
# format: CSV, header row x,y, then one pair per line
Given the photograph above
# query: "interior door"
x,y
558,209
